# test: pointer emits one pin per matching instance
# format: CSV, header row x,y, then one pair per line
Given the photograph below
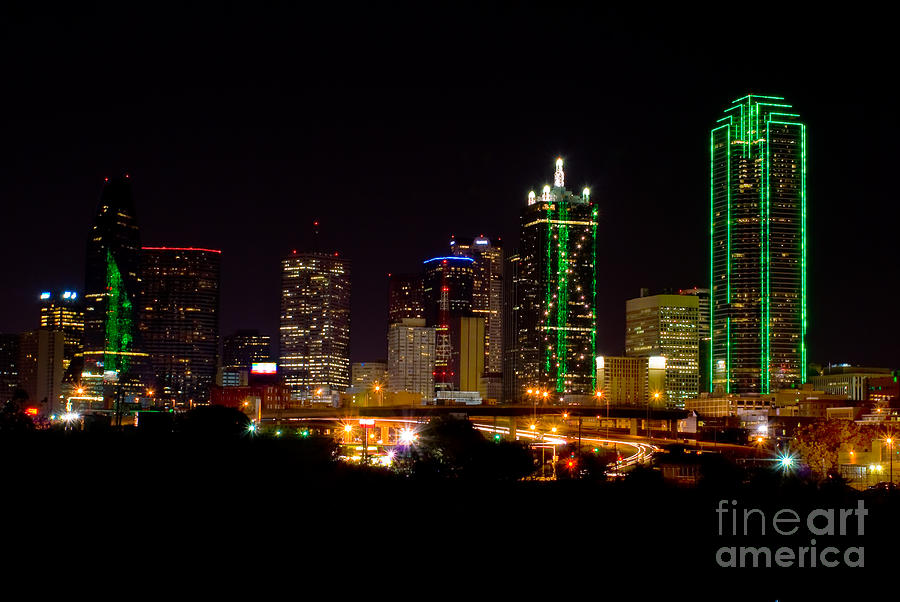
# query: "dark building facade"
x,y
405,298
314,336
758,247
512,335
179,321
9,366
112,351
240,351
556,292
448,283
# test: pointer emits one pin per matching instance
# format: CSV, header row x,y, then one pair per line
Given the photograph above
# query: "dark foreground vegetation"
x,y
454,515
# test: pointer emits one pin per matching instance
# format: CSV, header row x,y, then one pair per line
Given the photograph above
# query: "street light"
x,y
890,442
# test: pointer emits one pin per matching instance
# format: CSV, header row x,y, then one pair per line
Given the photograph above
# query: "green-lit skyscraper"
x,y
555,294
758,247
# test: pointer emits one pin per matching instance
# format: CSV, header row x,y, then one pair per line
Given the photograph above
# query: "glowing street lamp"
x,y
890,442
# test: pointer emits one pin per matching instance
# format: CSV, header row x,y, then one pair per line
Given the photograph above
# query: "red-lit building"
x,y
269,396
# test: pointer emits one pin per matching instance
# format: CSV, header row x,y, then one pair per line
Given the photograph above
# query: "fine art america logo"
x,y
790,526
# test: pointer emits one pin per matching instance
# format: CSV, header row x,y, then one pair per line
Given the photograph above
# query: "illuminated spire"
x,y
559,178
586,193
531,200
545,195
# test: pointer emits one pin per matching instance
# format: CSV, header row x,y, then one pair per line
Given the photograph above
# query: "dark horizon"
x,y
240,130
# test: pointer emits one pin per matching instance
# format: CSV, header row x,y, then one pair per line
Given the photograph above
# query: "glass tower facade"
x,y
112,353
758,247
314,337
557,291
179,320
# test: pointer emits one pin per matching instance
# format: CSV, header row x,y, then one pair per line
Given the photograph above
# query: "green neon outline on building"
x,y
119,322
757,114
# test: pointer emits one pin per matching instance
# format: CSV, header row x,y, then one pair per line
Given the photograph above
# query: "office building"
x,y
179,321
758,247
844,379
411,349
702,295
512,335
487,303
41,356
9,366
667,326
448,283
366,375
239,352
556,291
405,297
624,381
112,355
314,336
63,311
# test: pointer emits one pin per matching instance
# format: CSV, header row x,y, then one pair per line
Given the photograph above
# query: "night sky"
x,y
240,126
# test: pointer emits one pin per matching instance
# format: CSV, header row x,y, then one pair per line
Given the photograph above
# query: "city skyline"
x,y
209,150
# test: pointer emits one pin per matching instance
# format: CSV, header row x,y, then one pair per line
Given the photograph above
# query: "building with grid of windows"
x,y
314,335
556,292
179,321
758,247
64,312
410,365
623,381
667,326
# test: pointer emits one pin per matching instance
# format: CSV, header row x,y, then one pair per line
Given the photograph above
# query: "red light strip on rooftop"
x,y
178,249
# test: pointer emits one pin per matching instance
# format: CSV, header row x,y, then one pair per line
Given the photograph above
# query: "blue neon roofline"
x,y
453,257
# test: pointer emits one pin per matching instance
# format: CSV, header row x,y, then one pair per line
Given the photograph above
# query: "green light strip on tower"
x,y
562,300
118,319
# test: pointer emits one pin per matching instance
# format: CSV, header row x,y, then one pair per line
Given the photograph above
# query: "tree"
x,y
13,418
453,448
214,421
819,443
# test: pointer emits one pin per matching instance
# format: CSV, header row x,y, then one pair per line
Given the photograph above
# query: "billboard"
x,y
263,368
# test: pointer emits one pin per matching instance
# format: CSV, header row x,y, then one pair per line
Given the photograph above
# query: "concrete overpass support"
x,y
512,428
632,426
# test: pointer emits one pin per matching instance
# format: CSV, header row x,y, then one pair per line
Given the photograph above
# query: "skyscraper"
x,y
667,326
557,290
512,334
487,302
63,311
112,351
448,296
315,323
405,297
179,320
758,247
